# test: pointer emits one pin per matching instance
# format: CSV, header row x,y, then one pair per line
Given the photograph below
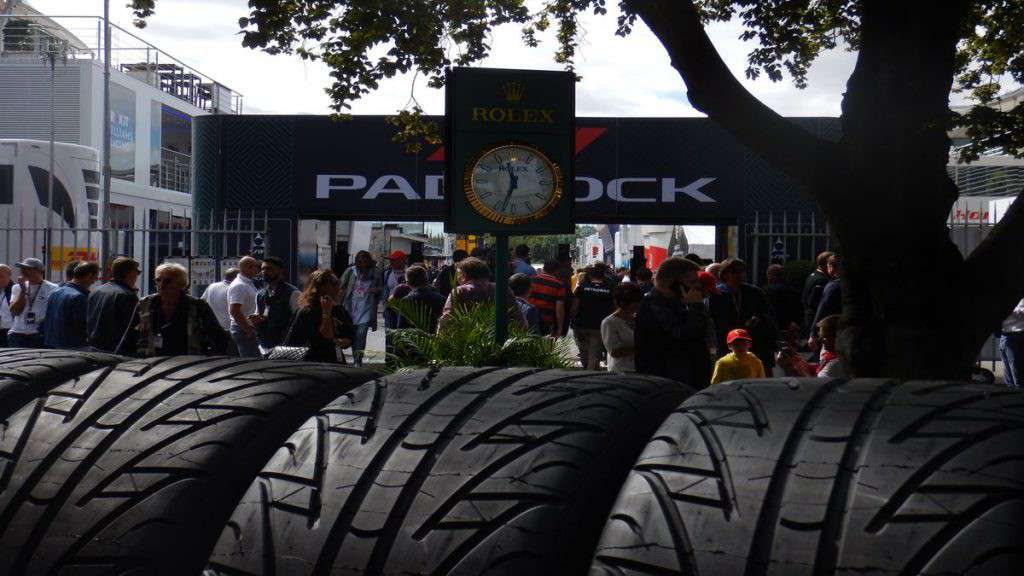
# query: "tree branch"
x,y
713,89
994,276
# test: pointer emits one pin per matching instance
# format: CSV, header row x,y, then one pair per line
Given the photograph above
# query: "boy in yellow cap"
x,y
740,363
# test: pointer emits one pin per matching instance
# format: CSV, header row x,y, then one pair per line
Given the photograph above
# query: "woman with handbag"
x,y
322,324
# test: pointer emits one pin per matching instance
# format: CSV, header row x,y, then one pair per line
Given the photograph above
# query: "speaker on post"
x,y
339,261
416,255
564,253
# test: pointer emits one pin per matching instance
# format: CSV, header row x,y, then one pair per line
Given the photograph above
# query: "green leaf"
x,y
466,338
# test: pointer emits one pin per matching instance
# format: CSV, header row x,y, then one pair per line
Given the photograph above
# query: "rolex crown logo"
x,y
514,92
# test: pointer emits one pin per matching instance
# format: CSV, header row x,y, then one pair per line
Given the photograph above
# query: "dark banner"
x,y
635,170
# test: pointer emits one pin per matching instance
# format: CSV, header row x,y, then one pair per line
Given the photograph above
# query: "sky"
x,y
621,76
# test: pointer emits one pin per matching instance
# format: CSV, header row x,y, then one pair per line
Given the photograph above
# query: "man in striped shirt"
x,y
547,295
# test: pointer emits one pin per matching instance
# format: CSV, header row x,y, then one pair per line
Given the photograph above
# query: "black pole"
x,y
501,302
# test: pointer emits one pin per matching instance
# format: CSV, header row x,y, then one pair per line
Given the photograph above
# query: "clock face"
x,y
513,184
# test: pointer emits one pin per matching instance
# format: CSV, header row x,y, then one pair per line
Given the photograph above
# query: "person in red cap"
x,y
739,363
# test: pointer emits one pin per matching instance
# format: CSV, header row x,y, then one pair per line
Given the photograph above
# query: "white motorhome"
x,y
26,212
25,201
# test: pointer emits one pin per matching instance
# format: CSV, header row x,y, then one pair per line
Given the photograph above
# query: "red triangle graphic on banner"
x,y
584,137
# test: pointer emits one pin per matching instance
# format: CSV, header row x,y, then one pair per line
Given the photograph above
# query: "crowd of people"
x,y
233,316
695,322
251,313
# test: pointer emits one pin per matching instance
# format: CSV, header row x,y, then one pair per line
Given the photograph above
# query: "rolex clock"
x,y
509,151
513,184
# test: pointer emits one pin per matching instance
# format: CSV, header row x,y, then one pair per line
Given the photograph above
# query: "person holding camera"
x,y
670,326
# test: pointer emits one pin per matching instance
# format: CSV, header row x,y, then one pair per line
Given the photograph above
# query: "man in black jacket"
x,y
428,300
671,324
111,306
447,277
276,304
814,286
784,300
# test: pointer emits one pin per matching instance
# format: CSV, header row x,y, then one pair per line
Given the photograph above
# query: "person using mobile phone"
x,y
671,322
29,298
322,324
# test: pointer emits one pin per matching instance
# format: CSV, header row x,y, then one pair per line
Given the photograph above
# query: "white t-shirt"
x,y
37,299
393,279
362,300
617,333
242,291
216,295
6,319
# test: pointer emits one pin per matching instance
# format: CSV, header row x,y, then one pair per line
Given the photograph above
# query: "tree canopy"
x,y
364,42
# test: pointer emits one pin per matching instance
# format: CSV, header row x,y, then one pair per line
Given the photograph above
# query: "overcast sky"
x,y
621,76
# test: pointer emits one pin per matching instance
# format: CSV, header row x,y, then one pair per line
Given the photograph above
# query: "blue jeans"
x,y
247,346
1011,347
359,343
24,340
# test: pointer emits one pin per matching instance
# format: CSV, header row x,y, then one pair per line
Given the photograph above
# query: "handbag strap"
x,y
291,327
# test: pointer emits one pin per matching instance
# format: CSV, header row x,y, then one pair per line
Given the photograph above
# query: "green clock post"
x,y
509,149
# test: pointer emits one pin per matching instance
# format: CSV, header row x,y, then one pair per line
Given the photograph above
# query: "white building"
x,y
153,99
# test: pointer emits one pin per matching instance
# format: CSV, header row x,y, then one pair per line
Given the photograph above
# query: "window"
x,y
122,133
170,149
62,204
175,242
122,218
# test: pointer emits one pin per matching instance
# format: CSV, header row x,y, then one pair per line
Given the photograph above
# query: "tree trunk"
x,y
910,301
902,274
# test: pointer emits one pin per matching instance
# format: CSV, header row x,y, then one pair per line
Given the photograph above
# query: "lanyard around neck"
x,y
32,297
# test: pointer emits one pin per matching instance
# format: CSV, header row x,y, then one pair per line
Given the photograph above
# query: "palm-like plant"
x,y
466,338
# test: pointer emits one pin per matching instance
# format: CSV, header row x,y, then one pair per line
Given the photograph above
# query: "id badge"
x,y
30,318
158,341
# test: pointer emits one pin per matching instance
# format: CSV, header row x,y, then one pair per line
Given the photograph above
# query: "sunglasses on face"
x,y
162,280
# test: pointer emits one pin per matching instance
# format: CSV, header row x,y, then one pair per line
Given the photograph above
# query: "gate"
x,y
206,245
781,237
785,237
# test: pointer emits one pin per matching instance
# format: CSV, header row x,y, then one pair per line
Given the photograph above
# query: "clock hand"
x,y
512,185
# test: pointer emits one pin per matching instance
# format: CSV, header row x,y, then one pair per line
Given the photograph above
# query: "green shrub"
x,y
466,338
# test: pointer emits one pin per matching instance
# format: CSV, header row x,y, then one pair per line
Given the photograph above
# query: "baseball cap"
x,y
738,334
708,283
30,263
397,255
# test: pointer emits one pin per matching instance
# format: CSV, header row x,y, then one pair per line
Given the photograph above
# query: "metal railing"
x,y
220,237
24,36
175,171
774,236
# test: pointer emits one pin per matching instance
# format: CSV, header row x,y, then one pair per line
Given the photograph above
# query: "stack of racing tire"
x,y
228,466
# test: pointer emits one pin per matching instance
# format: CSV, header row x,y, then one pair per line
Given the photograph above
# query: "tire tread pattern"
x,y
450,471
137,466
834,477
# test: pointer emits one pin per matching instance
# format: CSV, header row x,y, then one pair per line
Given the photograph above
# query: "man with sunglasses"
x,y
172,323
